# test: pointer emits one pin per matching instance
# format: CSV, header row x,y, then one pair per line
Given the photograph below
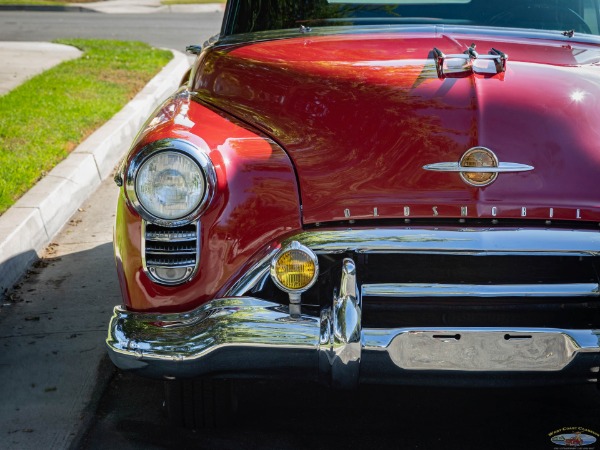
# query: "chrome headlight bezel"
x,y
179,146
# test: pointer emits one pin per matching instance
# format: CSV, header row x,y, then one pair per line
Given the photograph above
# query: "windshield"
x,y
246,16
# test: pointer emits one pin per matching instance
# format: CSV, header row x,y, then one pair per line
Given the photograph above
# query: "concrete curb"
x,y
29,226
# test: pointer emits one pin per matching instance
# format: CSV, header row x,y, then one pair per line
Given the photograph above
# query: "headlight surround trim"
x,y
178,146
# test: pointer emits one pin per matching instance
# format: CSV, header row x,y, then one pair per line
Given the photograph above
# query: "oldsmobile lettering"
x,y
463,211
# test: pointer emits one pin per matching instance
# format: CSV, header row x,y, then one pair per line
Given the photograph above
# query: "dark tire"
x,y
200,402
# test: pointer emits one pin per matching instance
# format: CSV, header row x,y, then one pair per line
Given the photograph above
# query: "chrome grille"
x,y
471,277
171,248
168,248
475,290
169,235
172,261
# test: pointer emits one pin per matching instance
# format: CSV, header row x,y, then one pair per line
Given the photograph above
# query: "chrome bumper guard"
x,y
243,335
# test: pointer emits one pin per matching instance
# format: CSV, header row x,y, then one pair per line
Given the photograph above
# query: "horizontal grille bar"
x,y
171,236
473,290
170,249
173,261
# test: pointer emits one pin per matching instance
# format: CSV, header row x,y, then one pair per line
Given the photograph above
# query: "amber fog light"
x,y
478,158
294,269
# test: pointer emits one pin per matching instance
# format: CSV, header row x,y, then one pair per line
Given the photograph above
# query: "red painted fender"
x,y
256,203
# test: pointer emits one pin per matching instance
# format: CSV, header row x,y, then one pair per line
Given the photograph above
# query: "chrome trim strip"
x,y
456,167
157,263
170,237
167,253
253,277
480,290
472,241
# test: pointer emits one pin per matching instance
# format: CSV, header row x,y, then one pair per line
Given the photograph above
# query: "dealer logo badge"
x,y
574,437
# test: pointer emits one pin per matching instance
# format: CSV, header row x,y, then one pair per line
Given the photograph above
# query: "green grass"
x,y
189,2
43,120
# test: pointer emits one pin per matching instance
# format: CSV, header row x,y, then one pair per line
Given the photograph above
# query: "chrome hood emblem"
x,y
478,167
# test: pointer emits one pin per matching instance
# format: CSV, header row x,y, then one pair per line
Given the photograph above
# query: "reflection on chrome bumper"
x,y
249,335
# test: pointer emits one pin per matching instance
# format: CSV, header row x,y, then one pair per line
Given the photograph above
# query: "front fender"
x,y
256,203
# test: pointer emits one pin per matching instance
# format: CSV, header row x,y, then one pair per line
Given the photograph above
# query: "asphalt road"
x,y
170,30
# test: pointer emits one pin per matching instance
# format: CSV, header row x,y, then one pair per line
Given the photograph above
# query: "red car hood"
x,y
360,115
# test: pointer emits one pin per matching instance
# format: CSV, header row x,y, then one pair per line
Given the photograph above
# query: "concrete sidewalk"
x,y
23,60
53,363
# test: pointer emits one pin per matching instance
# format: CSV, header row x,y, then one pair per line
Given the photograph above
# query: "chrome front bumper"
x,y
246,336
237,336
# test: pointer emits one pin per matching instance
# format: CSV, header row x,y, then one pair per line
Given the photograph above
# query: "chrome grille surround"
x,y
170,248
243,333
440,241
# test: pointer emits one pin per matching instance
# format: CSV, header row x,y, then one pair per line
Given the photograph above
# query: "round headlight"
x,y
170,182
170,185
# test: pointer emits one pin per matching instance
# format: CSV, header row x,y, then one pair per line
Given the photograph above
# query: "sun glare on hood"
x,y
577,96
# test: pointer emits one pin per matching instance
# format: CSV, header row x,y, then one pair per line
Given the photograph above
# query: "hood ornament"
x,y
469,56
478,167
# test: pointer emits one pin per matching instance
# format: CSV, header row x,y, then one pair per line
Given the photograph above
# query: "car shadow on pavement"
x,y
300,415
11,266
52,329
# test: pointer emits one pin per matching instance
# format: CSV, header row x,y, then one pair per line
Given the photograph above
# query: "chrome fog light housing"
x,y
171,275
294,270
169,182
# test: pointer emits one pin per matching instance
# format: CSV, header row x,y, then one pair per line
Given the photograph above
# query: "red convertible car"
x,y
370,192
